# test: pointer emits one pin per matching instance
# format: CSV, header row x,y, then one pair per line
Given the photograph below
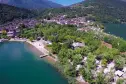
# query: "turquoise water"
x,y
18,65
116,29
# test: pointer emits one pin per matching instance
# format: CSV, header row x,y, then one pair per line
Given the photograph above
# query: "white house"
x,y
119,73
78,44
10,33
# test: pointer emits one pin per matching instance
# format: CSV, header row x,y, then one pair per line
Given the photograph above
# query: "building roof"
x,y
119,73
106,70
10,32
78,44
124,69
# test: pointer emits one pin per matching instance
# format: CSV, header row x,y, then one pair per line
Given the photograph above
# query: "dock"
x,y
42,56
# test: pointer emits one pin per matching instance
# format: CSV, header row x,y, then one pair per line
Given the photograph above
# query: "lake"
x,y
19,65
116,29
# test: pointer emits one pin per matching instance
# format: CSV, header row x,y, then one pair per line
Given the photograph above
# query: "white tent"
x,y
119,73
106,70
111,65
124,69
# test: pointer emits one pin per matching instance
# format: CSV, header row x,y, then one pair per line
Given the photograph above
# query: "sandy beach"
x,y
39,45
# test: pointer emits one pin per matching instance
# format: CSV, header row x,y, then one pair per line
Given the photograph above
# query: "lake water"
x,y
18,65
116,29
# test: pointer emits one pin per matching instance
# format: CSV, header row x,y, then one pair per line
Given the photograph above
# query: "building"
x,y
0,31
78,44
10,33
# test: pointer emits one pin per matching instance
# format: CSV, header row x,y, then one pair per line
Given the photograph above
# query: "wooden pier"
x,y
42,56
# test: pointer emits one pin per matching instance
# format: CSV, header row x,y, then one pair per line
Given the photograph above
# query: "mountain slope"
x,y
100,10
31,4
8,13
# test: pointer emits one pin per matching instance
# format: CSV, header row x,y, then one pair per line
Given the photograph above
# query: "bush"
x,y
120,81
119,62
91,61
88,76
100,79
31,39
104,62
56,48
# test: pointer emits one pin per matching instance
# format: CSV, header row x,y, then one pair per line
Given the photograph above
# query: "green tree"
x,y
104,62
119,62
76,59
56,47
85,50
69,70
86,72
31,39
120,81
91,61
100,79
63,56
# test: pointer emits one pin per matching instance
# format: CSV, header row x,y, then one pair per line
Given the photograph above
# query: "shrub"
x,y
119,62
104,62
120,81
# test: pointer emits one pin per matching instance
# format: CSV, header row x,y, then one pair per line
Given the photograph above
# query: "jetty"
x,y
42,56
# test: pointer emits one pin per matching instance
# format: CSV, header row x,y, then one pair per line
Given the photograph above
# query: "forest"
x,y
9,13
106,11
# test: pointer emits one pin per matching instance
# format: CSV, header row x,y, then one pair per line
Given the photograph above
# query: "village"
x,y
81,22
13,28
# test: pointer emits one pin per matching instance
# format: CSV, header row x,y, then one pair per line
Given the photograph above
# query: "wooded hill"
x,y
100,10
31,4
8,13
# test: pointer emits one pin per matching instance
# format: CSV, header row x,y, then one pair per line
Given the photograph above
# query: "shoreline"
x,y
38,48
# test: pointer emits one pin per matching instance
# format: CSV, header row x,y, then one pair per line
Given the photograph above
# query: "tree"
x,y
76,59
4,32
31,39
100,79
72,80
70,53
63,56
106,53
91,61
85,50
119,62
86,72
68,43
78,51
120,81
104,62
69,70
56,47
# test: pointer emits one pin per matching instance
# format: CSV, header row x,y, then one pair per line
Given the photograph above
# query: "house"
x,y
48,42
0,31
10,33
119,73
78,44
78,67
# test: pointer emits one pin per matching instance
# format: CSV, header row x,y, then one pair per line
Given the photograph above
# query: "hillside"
x,y
31,4
100,10
8,13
